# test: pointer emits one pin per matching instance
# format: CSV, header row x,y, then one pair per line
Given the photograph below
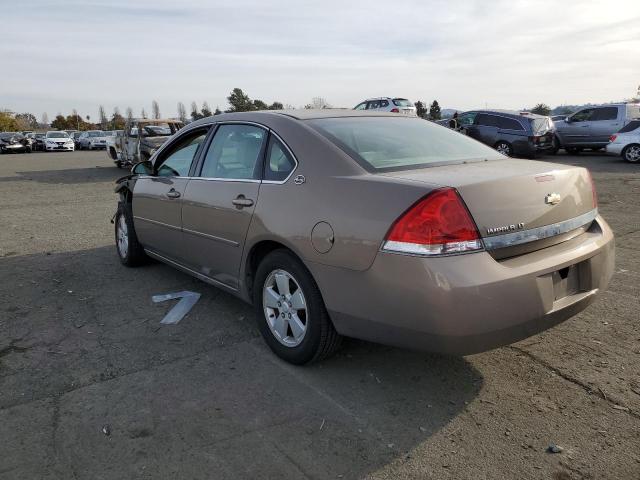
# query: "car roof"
x,y
512,113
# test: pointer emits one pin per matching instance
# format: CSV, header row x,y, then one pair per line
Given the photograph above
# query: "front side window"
x,y
389,144
234,153
467,118
279,162
583,115
361,106
176,162
605,113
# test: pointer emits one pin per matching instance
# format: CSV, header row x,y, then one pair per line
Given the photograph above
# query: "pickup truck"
x,y
140,139
591,127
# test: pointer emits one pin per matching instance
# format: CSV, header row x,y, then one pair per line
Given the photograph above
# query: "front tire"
x,y
129,250
631,153
504,148
290,312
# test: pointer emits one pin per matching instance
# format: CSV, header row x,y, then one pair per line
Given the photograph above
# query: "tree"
x,y
182,112
195,115
129,113
102,117
59,123
421,110
143,113
541,109
260,105
218,111
155,110
117,120
317,103
434,111
7,121
206,110
44,120
239,101
276,106
26,121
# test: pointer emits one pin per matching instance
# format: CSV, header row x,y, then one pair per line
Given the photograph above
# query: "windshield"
x,y
541,125
402,102
57,135
156,131
386,144
96,134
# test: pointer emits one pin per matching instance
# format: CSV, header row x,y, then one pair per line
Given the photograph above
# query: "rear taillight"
x,y
594,195
612,138
438,224
395,110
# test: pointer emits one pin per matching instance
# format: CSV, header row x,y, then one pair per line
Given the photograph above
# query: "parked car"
x,y
14,142
378,226
38,142
591,127
519,134
75,136
141,139
626,142
92,139
388,104
58,141
114,138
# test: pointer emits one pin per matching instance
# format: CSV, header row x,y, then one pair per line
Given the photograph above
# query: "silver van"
x,y
591,127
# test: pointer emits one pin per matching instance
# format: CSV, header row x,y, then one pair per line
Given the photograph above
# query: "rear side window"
x,y
630,127
509,124
234,153
605,113
486,120
373,104
402,102
384,103
381,144
279,161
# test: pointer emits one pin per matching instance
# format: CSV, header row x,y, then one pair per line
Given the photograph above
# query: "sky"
x,y
57,55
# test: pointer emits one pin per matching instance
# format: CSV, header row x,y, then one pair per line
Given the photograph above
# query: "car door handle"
x,y
173,193
240,201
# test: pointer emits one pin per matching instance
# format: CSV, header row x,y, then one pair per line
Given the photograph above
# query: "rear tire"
x,y
505,148
631,153
290,312
556,146
129,250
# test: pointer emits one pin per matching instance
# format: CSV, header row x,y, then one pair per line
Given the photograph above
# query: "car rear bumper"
x,y
614,148
468,303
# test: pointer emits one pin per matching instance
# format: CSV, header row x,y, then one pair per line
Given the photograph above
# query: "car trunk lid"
x,y
518,206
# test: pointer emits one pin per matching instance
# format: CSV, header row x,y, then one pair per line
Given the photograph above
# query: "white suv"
x,y
388,104
626,142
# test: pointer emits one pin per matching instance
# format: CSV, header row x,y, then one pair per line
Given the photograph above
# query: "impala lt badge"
x,y
552,199
506,228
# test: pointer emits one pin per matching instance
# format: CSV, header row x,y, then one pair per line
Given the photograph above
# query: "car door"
x,y
158,198
220,200
486,128
605,122
465,123
577,129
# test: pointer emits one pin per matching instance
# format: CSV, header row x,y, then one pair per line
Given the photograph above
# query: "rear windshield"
x,y
541,125
388,144
630,127
402,102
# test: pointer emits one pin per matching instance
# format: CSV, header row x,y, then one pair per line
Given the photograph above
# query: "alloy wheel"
x,y
123,237
285,308
632,154
504,149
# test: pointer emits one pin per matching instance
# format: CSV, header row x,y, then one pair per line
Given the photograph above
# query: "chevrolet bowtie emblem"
x,y
552,199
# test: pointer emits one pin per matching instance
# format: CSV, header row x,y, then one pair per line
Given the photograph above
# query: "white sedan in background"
x,y
626,142
58,141
92,139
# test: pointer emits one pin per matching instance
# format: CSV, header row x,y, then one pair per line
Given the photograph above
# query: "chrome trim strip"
x,y
539,233
211,237
198,275
155,222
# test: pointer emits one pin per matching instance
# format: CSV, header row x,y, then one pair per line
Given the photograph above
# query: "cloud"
x,y
80,54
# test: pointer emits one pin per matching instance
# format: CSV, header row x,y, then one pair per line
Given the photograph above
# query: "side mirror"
x,y
568,120
142,168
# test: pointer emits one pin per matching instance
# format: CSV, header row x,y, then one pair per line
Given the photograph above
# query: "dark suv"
x,y
511,133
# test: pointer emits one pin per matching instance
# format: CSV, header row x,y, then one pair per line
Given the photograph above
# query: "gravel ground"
x,y
93,387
